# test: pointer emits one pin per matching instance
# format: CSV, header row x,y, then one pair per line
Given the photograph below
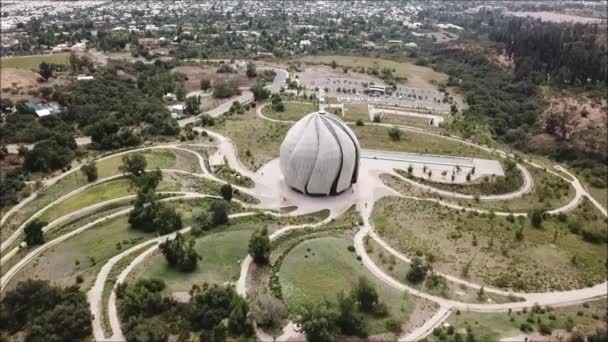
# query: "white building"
x,y
320,155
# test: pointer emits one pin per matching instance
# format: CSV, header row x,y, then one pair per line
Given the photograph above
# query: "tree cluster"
x,y
322,321
148,214
569,54
11,186
46,313
54,153
225,88
180,252
203,220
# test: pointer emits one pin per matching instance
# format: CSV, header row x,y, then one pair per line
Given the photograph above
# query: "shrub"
x,y
418,271
394,133
33,232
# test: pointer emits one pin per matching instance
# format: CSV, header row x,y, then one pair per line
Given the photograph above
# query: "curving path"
x,y
365,204
35,252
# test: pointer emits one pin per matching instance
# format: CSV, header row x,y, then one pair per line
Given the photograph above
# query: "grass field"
x,y
394,119
99,193
418,76
376,137
494,326
487,246
84,254
398,269
320,268
293,111
33,62
221,254
163,159
222,250
257,140
549,192
354,112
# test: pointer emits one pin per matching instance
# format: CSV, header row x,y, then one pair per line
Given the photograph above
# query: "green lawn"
x,y
84,254
376,137
33,62
221,253
162,159
62,187
354,112
106,168
541,261
99,193
293,111
222,249
494,326
320,268
257,140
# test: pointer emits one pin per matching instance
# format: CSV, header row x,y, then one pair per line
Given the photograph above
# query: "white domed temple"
x,y
320,155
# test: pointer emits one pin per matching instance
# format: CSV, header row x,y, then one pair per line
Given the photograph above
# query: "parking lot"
x,y
348,90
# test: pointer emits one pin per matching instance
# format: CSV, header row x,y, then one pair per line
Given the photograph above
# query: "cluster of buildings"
x,y
303,25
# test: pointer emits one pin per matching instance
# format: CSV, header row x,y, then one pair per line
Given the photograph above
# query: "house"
x,y
305,44
265,55
42,109
148,42
84,78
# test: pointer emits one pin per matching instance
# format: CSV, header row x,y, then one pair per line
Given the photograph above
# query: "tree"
x,y
268,311
201,220
366,295
348,321
219,212
226,192
212,305
536,218
561,121
180,253
207,120
418,271
318,321
259,246
45,70
226,88
33,232
150,329
394,133
90,171
205,84
217,334
133,164
192,105
180,92
277,103
260,92
251,70
238,323
167,220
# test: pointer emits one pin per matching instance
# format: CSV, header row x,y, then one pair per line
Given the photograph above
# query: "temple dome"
x,y
320,155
